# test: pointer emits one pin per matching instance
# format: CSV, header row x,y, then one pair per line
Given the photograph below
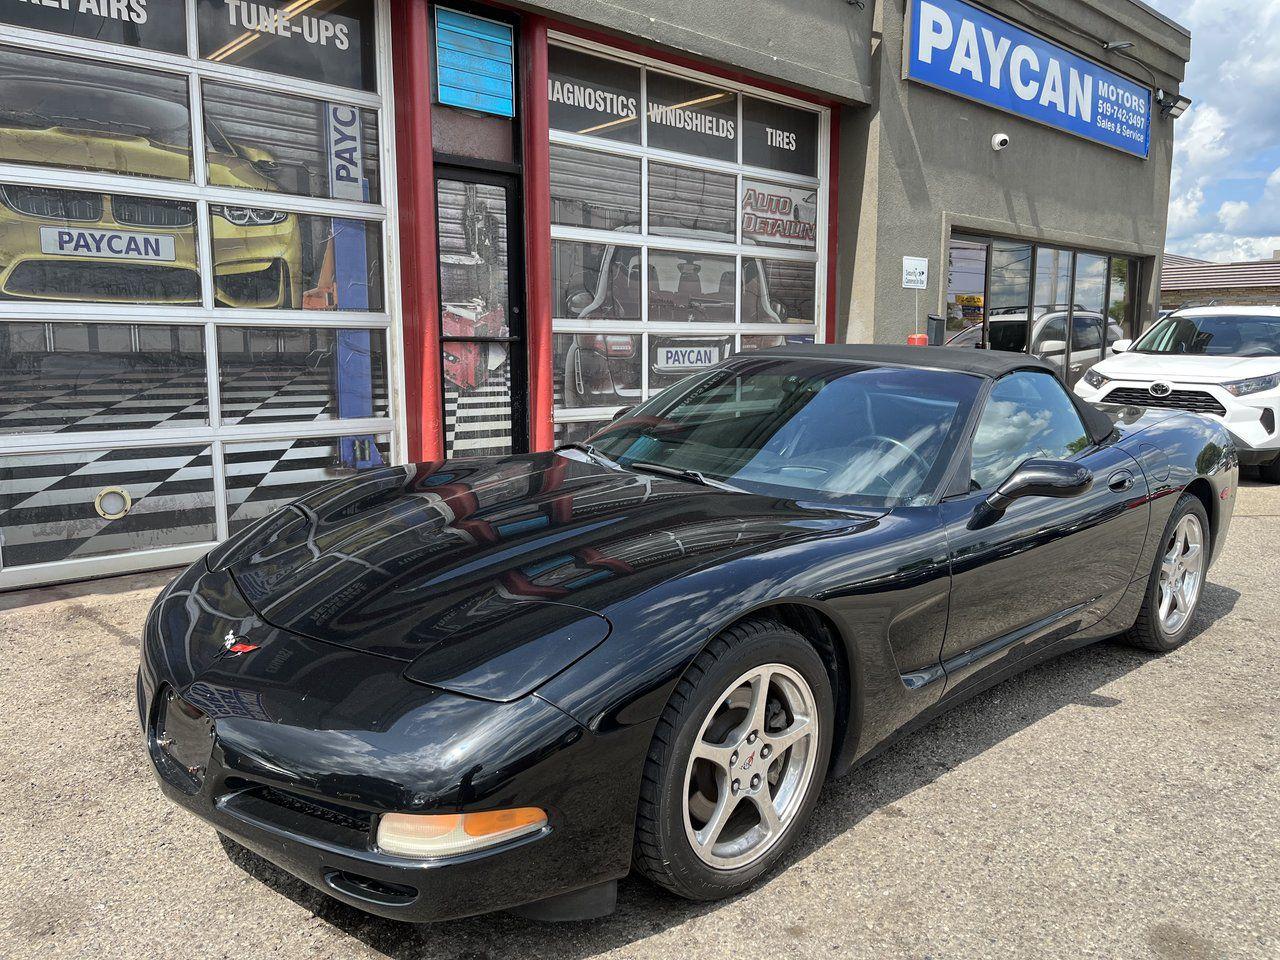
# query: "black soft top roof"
x,y
981,363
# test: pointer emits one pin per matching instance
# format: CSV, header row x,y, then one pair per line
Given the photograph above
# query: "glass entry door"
x,y
483,363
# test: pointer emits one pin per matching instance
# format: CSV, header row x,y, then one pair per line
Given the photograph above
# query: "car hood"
x,y
499,570
1184,368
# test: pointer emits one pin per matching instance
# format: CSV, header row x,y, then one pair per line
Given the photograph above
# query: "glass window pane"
x,y
1049,307
593,96
281,374
595,281
1009,294
966,291
100,376
477,399
473,258
778,291
691,287
1027,415
593,189
94,247
671,359
89,115
326,43
62,506
768,341
690,117
698,204
264,475
270,259
596,369
779,215
260,140
779,137
1119,307
1088,317
145,24
577,431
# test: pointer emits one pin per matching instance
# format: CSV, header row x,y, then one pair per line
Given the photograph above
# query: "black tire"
x,y
663,852
1148,633
1270,472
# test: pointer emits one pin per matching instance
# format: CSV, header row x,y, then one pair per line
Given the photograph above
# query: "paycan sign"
x,y
962,49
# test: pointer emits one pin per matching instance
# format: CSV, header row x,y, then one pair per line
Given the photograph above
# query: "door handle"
x,y
1120,481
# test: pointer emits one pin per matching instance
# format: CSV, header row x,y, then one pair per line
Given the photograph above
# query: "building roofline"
x,y
1162,18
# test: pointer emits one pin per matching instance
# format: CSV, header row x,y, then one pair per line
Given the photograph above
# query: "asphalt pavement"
x,y
1107,804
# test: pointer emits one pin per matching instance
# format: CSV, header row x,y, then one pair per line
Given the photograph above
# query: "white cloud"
x,y
1233,79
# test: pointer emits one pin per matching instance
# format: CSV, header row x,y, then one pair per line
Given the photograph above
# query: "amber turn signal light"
x,y
426,836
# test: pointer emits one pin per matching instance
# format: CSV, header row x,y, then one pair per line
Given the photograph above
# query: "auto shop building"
x,y
250,245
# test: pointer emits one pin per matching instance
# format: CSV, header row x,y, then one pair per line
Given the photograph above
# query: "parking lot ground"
x,y
1106,804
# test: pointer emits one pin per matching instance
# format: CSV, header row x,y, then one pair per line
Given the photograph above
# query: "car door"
x,y
1047,568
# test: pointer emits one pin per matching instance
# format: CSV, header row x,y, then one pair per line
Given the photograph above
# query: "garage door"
x,y
197,309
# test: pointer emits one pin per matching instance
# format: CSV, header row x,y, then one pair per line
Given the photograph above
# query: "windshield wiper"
x,y
683,474
591,452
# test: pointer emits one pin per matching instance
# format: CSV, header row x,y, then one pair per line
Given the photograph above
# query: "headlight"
x,y
1094,379
1240,388
250,216
425,837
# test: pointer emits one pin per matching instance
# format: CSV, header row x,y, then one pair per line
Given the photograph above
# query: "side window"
x,y
1028,414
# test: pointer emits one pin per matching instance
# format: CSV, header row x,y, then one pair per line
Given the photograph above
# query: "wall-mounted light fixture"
x,y
1172,105
1118,45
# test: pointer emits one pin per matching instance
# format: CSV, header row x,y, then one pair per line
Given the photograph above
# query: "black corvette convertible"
x,y
447,688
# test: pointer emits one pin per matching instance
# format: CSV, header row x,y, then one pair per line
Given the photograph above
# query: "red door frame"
x,y
415,181
420,295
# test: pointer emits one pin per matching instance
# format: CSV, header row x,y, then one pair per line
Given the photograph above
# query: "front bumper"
x,y
1253,421
305,745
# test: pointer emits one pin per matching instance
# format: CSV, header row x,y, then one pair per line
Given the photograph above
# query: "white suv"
x,y
1219,361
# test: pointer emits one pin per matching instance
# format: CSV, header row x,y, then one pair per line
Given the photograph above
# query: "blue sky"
x,y
1225,198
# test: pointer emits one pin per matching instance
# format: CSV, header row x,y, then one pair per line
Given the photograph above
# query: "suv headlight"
x,y
1241,388
250,216
1094,379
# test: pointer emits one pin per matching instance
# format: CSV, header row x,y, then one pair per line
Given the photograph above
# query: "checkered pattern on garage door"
x,y
47,500
263,475
140,400
48,512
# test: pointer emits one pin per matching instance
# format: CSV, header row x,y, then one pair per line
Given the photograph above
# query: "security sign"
x,y
915,273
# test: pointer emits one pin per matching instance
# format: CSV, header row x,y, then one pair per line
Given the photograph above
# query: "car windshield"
x,y
840,432
1220,335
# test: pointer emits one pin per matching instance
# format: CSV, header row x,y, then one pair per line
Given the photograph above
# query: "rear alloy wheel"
x,y
736,762
1173,592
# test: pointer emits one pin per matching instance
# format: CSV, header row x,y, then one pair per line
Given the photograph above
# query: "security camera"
x,y
999,141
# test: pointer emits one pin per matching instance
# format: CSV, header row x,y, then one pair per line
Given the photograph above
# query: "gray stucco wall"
x,y
919,162
820,45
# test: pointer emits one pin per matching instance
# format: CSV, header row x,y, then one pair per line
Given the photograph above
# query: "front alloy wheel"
x,y
736,762
753,757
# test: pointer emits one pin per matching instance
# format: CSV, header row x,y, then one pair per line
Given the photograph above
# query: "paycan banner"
x,y
963,49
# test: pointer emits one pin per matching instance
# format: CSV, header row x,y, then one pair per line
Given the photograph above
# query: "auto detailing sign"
x,y
958,47
779,215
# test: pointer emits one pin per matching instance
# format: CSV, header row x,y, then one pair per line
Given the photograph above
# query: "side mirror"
x,y
620,414
1120,346
1051,348
1060,479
